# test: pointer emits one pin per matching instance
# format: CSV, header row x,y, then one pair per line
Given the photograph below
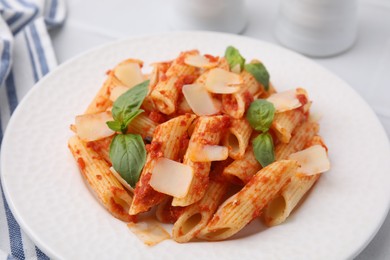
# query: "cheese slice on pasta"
x,y
208,153
284,101
199,61
149,231
312,160
172,178
129,73
92,127
221,81
117,91
200,100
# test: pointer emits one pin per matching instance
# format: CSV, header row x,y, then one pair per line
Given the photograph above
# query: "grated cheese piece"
x,y
208,153
222,82
199,61
312,160
117,91
284,101
172,178
129,73
92,127
200,100
149,231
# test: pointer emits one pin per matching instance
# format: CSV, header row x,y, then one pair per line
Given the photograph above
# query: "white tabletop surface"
x,y
366,66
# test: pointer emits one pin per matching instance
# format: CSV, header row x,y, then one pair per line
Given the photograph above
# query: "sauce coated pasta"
x,y
172,146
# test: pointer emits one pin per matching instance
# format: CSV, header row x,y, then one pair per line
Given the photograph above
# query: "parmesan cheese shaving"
x,y
121,180
208,153
284,101
312,160
200,100
117,91
149,231
129,73
222,82
92,127
172,178
199,61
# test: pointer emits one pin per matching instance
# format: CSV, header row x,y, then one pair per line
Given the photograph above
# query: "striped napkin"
x,y
26,55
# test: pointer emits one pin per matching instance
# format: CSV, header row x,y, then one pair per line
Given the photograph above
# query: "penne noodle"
x,y
166,143
102,148
284,123
166,213
237,138
196,216
208,130
281,207
142,125
102,99
301,135
166,92
96,172
237,211
242,170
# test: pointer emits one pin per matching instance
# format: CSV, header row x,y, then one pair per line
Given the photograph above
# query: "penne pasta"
x,y
237,138
208,131
181,136
166,143
281,207
166,92
102,99
196,216
284,123
96,172
242,170
302,134
166,213
237,211
142,125
102,148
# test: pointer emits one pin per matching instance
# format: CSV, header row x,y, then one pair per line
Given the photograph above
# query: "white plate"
x,y
53,205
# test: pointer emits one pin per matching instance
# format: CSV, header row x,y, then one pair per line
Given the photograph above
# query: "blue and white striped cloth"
x,y
26,55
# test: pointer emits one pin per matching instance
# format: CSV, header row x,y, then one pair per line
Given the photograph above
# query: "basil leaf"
x,y
260,114
114,125
126,107
234,57
259,72
263,148
128,156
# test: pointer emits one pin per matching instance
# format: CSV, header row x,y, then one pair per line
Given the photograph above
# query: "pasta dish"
x,y
203,142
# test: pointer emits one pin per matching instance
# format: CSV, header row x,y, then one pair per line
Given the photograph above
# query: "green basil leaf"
x,y
128,156
128,118
263,148
260,114
130,101
234,57
114,125
259,72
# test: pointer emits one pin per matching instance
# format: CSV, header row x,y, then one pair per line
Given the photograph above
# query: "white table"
x,y
366,67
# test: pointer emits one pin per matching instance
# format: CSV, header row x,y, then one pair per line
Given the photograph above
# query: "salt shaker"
x,y
317,28
213,15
